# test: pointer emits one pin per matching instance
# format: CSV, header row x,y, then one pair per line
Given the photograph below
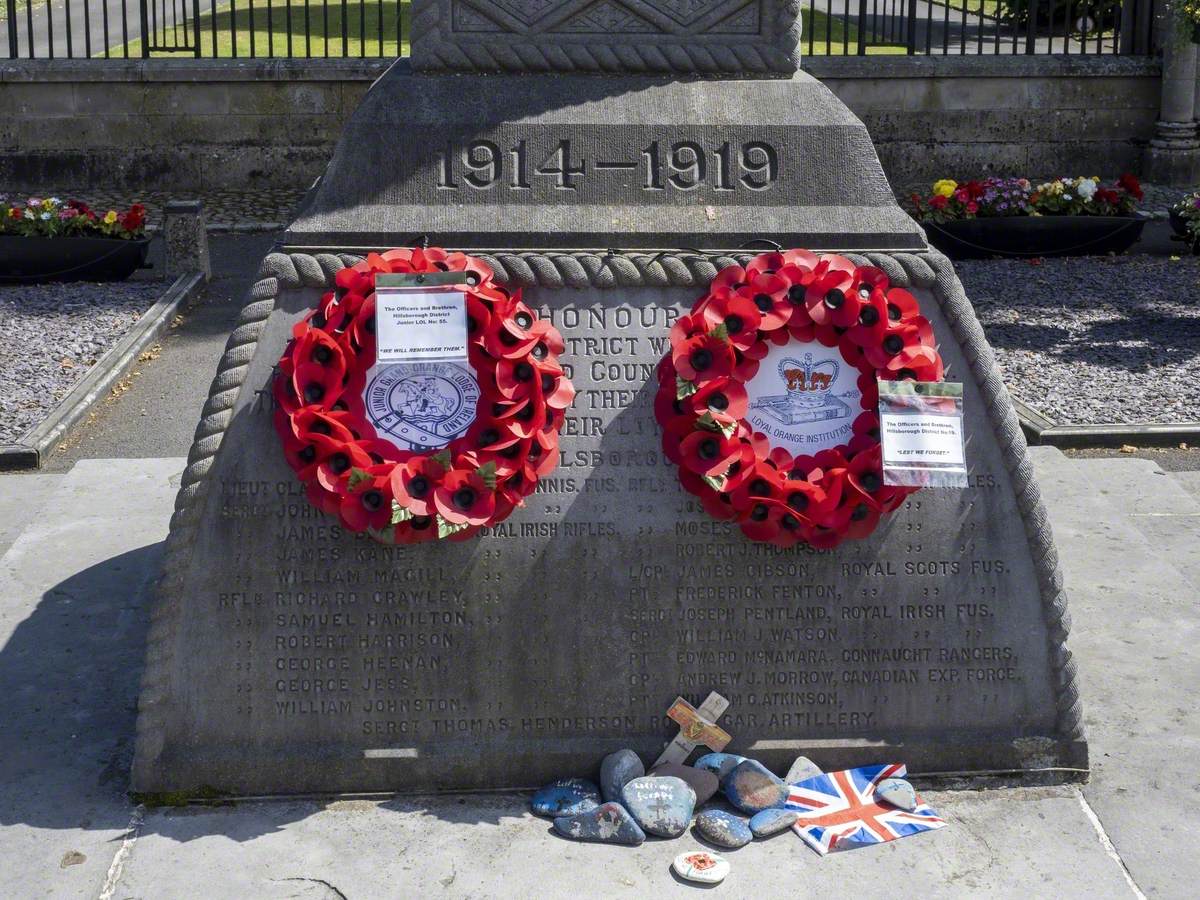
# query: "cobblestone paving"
x,y
53,334
1094,340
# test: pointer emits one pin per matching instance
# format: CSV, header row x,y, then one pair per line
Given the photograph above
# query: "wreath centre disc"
x,y
421,406
804,398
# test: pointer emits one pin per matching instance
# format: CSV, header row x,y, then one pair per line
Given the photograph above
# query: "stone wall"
x,y
191,125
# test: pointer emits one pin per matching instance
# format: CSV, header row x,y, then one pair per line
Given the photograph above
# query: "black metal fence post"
x,y
196,24
145,19
910,28
12,29
862,27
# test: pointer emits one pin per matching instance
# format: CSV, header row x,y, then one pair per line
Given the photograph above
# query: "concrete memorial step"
x,y
289,655
21,499
74,607
1189,480
1155,503
1136,627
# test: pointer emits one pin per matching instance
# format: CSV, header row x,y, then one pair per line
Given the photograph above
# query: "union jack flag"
x,y
838,810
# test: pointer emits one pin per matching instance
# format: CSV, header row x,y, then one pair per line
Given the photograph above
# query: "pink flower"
x,y
972,207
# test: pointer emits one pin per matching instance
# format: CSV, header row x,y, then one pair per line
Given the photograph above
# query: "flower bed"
x,y
52,240
1185,220
1013,217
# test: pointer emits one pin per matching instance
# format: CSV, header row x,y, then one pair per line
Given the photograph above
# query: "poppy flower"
x,y
413,483
721,396
703,356
708,452
872,321
761,482
687,327
739,316
769,295
333,469
901,305
463,497
417,530
368,504
673,433
728,281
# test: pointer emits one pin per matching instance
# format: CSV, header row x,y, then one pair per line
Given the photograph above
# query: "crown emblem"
x,y
805,376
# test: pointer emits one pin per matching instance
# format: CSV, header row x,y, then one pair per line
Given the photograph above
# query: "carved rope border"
x,y
280,271
439,51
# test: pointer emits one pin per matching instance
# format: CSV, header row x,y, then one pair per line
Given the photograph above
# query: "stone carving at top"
x,y
696,37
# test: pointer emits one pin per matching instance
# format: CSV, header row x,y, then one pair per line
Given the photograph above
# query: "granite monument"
x,y
668,140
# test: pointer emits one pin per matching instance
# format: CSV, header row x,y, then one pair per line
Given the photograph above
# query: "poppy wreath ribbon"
x,y
404,496
836,492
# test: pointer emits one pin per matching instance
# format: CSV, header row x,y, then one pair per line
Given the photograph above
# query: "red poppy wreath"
x,y
353,467
768,398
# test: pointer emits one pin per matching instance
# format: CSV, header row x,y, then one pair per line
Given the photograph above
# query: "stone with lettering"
x,y
897,792
565,797
684,36
723,829
617,770
703,782
661,805
772,821
701,866
288,656
752,787
720,764
610,823
802,770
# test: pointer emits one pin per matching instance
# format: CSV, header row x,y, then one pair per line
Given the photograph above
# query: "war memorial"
x,y
610,165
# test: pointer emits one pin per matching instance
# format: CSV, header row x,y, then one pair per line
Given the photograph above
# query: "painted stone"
x,y
723,829
616,771
897,792
802,770
610,823
565,797
772,821
701,866
752,787
702,781
720,764
662,806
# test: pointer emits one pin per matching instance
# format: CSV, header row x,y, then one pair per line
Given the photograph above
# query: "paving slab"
x,y
1134,639
1190,480
72,634
1156,504
21,499
1020,842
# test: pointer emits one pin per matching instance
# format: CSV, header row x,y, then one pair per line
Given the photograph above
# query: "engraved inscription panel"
x,y
580,619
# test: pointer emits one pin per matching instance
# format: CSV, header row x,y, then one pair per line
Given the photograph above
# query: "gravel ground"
x,y
54,333
1094,340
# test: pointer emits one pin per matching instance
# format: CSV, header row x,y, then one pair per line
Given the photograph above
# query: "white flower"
x,y
1086,188
1066,196
44,216
54,201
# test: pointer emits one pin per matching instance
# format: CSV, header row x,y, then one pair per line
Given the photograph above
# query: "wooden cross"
x,y
696,726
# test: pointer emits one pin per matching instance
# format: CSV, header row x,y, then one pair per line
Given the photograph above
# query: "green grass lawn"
x,y
334,30
319,28
833,37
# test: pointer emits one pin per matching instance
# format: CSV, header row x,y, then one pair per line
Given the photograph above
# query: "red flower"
x,y
703,356
738,314
464,498
709,452
369,503
721,396
1131,185
769,295
413,483
938,201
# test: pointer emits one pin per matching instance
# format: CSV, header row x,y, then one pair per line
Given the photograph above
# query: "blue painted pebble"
x,y
565,797
752,787
720,764
610,823
772,821
723,829
662,806
897,792
616,771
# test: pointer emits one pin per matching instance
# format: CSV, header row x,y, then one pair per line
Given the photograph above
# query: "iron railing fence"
x,y
123,29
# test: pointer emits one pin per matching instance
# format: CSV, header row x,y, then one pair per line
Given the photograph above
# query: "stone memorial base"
x,y
289,656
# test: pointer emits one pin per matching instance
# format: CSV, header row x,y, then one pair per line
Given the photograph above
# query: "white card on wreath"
x,y
419,325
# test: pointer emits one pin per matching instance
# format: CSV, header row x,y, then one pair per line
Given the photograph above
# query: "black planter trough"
x,y
1027,236
26,260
